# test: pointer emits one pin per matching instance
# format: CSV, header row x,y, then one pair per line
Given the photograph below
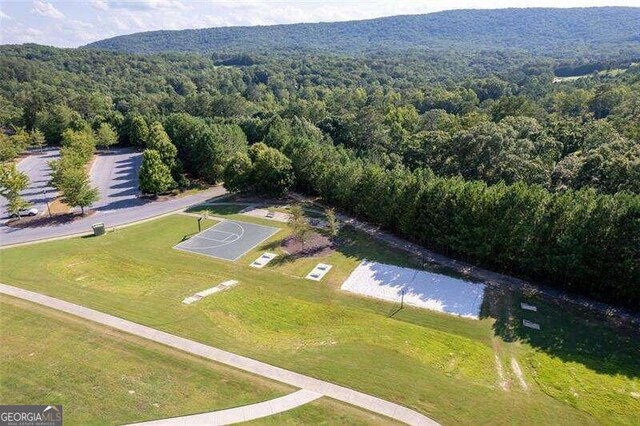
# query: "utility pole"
x,y
44,193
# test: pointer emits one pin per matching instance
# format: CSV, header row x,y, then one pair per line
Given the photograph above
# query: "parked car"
x,y
32,211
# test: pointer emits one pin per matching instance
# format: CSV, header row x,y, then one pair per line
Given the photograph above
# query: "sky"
x,y
72,23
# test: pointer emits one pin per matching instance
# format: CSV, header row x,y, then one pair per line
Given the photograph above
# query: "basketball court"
x,y
228,240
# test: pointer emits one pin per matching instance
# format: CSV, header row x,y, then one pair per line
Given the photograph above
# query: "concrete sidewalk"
x,y
301,381
241,414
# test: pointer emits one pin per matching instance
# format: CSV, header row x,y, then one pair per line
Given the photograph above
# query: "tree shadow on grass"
x,y
187,236
352,245
566,332
271,245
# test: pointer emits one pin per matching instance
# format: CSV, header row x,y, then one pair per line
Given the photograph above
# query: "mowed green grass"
x,y
101,376
324,411
441,365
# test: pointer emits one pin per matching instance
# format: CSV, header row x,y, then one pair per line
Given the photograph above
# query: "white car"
x,y
26,212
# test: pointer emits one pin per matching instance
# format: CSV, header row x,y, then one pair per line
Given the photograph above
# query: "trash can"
x,y
98,229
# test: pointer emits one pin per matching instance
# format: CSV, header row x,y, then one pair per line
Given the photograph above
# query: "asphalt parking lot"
x,y
36,166
115,174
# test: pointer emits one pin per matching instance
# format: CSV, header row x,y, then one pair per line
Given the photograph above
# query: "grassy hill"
x,y
577,31
577,369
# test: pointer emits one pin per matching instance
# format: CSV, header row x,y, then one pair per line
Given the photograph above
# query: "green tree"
x,y
36,139
75,188
10,147
513,106
296,213
611,167
237,173
78,143
138,131
155,177
333,224
300,228
12,182
106,136
16,205
21,138
272,171
204,149
158,140
279,134
56,120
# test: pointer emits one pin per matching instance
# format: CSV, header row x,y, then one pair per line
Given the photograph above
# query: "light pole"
x,y
44,193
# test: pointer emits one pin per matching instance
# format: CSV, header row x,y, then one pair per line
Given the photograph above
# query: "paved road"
x,y
291,378
36,166
241,414
116,176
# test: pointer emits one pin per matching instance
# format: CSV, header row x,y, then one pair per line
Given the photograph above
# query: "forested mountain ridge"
x,y
604,31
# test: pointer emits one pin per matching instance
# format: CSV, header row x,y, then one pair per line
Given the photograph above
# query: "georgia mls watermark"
x,y
30,415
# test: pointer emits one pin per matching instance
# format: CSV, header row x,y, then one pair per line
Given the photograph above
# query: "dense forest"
x,y
584,33
486,156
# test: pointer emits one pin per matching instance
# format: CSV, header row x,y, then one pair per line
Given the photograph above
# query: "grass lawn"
x,y
324,411
102,376
441,365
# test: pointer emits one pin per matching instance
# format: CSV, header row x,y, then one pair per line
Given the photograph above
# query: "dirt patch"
x,y
504,383
316,245
45,220
168,196
57,207
90,164
518,372
20,157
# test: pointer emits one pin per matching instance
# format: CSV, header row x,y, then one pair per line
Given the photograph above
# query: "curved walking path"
x,y
241,414
301,381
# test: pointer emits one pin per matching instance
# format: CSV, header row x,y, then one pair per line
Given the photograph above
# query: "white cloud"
x,y
32,32
100,4
19,34
47,9
4,15
75,23
139,4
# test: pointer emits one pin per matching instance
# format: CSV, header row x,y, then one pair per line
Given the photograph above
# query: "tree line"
x,y
494,163
582,241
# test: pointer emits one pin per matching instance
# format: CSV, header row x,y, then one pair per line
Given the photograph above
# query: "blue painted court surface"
x,y
228,240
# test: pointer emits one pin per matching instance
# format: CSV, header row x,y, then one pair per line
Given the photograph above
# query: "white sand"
x,y
263,260
528,307
422,289
265,214
208,292
318,272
